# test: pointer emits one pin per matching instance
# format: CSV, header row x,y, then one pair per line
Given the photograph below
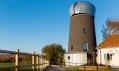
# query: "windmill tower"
x,y
82,38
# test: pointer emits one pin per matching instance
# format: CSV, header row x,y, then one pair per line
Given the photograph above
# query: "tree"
x,y
104,32
54,53
111,27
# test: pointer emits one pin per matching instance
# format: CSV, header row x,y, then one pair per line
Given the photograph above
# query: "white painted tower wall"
x,y
76,59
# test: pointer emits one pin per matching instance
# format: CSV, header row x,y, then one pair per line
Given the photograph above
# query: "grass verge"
x,y
77,69
13,69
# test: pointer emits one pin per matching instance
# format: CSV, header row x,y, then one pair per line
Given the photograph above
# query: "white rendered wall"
x,y
76,59
115,57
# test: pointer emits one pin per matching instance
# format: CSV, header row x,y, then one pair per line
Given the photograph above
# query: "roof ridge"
x,y
114,34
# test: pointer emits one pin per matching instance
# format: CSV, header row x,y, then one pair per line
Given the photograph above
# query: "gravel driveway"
x,y
57,68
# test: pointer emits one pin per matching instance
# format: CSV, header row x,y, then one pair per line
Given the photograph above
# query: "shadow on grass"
x,y
14,70
21,69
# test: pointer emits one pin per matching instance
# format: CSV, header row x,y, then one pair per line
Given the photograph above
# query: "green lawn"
x,y
77,69
21,69
7,64
12,64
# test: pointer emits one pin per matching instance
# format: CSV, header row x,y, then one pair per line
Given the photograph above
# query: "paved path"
x,y
57,68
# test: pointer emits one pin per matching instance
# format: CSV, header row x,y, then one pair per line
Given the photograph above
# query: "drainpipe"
x,y
100,57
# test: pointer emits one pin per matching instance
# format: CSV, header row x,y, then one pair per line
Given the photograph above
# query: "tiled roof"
x,y
111,41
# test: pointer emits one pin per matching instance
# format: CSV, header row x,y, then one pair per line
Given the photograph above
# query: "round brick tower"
x,y
82,31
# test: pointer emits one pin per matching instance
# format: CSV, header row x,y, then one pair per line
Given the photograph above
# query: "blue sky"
x,y
31,24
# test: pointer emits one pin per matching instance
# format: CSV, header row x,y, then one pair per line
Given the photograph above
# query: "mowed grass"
x,y
21,69
77,69
7,64
13,69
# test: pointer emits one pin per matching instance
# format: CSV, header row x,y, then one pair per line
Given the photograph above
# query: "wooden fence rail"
x,y
90,67
37,61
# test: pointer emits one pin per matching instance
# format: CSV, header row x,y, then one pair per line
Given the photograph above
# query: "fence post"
x,y
33,61
37,62
70,64
97,67
17,60
64,64
40,63
84,66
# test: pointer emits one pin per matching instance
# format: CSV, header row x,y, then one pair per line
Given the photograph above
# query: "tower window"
x,y
84,30
71,47
85,46
68,57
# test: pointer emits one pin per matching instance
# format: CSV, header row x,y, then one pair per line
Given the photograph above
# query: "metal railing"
x,y
38,62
